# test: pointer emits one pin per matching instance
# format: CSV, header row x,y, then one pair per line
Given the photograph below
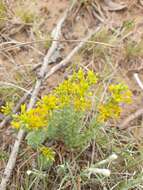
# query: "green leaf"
x,y
36,138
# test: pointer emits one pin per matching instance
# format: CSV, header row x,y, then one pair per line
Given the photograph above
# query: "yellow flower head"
x,y
49,102
7,109
15,124
48,153
120,93
109,110
91,77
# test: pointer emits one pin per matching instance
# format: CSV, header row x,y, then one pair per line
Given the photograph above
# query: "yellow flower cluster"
x,y
35,118
112,108
32,119
48,153
108,110
75,91
7,109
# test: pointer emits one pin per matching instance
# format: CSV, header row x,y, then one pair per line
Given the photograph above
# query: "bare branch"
x,y
139,82
64,62
130,118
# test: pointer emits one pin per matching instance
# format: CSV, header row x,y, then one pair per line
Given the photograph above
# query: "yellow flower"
x,y
15,124
120,93
81,104
75,90
49,102
37,118
7,109
109,110
91,77
48,153
80,75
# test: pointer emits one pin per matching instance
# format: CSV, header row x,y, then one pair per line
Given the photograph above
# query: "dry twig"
x,y
112,6
139,82
64,62
131,117
22,44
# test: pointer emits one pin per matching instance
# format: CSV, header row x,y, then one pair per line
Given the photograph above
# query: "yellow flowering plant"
x,y
119,93
46,157
59,116
76,92
7,109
